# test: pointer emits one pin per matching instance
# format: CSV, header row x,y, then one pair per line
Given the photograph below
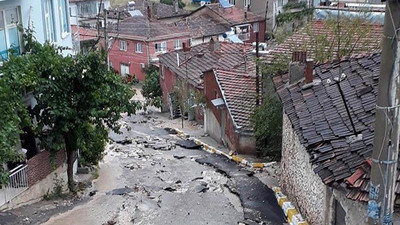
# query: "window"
x,y
124,69
122,45
160,47
243,32
280,3
247,3
142,65
62,6
49,20
190,42
232,2
177,44
138,47
9,34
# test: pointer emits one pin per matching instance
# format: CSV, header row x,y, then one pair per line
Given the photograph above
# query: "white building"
x,y
86,11
48,18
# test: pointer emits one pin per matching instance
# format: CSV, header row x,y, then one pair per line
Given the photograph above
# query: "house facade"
x,y
85,12
242,22
230,98
48,18
207,70
139,43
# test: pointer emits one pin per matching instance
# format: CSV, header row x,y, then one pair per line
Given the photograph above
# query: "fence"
x,y
17,184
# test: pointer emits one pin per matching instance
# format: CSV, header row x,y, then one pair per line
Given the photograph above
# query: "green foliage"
x,y
58,189
289,15
344,34
77,97
92,145
151,89
267,125
171,2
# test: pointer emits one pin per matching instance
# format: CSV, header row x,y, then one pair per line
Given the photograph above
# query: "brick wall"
x,y
42,165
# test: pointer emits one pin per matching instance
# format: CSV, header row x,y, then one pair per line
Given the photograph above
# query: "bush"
x,y
267,125
151,89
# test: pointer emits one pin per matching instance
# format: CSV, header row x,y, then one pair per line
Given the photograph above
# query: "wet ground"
x,y
146,178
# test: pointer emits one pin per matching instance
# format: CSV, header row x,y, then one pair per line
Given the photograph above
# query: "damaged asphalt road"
x,y
258,201
148,178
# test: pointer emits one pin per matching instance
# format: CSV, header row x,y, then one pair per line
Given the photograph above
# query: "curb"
x,y
213,150
293,216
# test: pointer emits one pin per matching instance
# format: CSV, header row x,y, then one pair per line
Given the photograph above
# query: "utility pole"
x,y
256,30
386,136
106,38
78,39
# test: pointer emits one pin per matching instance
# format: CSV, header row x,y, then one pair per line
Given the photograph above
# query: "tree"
x,y
151,89
180,97
76,98
171,2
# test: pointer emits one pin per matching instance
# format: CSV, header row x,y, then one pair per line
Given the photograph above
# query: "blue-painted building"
x,y
49,19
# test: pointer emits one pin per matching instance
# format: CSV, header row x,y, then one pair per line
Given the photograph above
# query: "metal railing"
x,y
17,184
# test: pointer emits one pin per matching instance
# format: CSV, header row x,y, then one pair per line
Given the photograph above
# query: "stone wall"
x,y
298,180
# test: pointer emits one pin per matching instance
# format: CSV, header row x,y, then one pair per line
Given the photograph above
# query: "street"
x,y
145,178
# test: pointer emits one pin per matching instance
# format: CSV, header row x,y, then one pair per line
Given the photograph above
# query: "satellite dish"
x,y
224,35
202,3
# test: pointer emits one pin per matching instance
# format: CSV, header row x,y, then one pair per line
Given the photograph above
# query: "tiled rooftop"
x,y
163,11
202,26
233,15
227,56
319,118
301,40
84,33
139,27
239,92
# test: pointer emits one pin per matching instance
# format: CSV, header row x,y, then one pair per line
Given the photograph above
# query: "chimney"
x,y
176,6
297,66
309,71
213,45
185,47
148,12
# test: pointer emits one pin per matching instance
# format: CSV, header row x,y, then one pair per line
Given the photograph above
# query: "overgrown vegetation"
x,y
151,89
289,15
77,98
58,189
341,40
171,2
267,125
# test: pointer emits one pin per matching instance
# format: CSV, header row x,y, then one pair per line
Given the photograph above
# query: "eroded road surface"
x,y
146,178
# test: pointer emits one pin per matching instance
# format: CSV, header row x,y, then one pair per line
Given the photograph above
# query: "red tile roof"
x,y
239,93
232,15
303,41
84,33
140,28
227,56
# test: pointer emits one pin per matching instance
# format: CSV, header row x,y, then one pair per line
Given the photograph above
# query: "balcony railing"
x,y
244,37
17,184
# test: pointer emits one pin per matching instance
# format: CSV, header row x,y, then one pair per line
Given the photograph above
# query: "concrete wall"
x,y
298,180
36,192
213,128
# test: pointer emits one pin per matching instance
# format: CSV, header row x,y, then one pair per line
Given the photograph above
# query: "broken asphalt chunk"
x,y
188,144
